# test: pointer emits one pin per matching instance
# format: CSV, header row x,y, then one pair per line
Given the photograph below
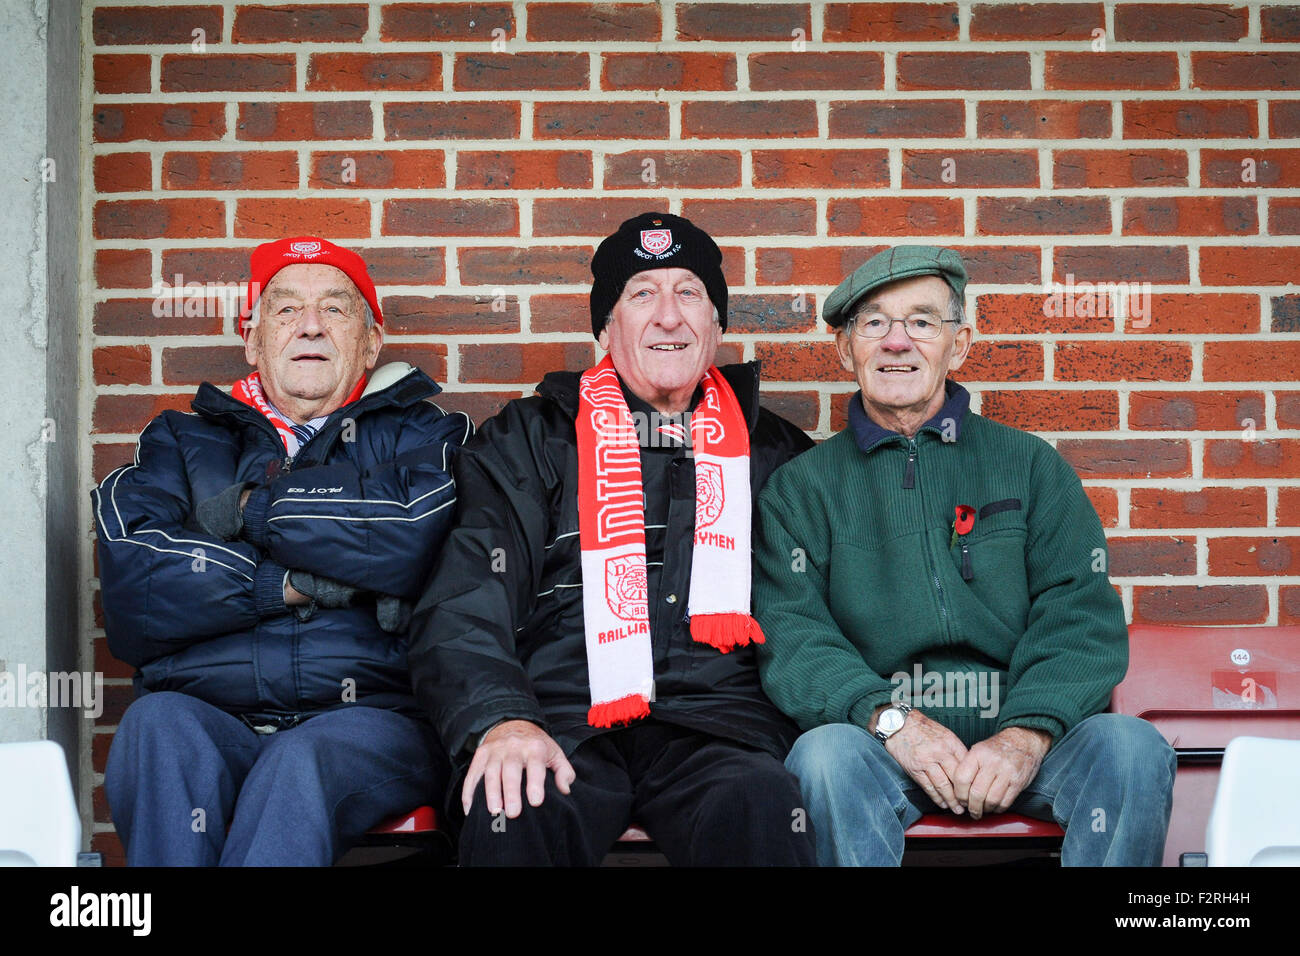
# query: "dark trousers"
x,y
704,800
191,785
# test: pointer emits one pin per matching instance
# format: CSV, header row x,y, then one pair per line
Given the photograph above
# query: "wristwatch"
x,y
891,721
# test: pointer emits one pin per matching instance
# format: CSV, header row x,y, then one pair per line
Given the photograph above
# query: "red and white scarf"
x,y
249,391
611,525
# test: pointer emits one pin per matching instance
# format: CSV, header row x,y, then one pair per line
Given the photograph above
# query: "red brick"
x,y
122,268
508,362
430,359
122,365
1126,458
771,314
520,71
1288,508
1162,22
1261,265
1047,216
1284,216
1271,361
1150,556
479,406
1190,216
668,71
560,313
1207,508
105,458
1001,265
1123,362
121,73
206,363
1230,557
824,70
753,217
822,265
136,318
300,23
1179,119
450,314
1214,604
943,70
1274,70
1199,314
1288,605
394,265
207,264
378,169
1284,119
681,169
588,217
594,21
154,24
1111,71
1035,21
1044,119
152,218
210,73
801,409
128,414
1288,410
894,216
123,122
437,121
1105,501
523,169
1121,263
885,22
912,119
969,169
821,168
450,217
1026,313
1279,23
1054,410
1268,167
594,120
374,71
800,361
990,361
742,21
278,120
123,172
1235,458
275,218
1116,168
1194,411
748,119
230,170
525,265
445,21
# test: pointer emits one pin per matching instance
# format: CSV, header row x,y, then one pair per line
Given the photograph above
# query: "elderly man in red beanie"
x,y
256,561
586,638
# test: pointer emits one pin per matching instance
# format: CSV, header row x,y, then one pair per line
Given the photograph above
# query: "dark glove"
x,y
220,515
393,613
323,591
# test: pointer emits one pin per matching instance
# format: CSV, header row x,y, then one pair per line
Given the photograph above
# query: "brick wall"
x,y
476,152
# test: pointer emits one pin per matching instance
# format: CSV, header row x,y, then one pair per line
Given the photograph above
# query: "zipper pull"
x,y
967,572
909,476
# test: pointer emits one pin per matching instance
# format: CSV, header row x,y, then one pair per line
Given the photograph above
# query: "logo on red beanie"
x,y
304,248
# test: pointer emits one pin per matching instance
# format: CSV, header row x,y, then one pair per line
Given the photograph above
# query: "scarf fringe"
x,y
621,711
725,631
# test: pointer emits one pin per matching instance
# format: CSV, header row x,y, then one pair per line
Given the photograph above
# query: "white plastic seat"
x,y
1256,815
39,823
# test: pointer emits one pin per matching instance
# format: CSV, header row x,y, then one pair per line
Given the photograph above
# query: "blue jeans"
x,y
1108,782
191,785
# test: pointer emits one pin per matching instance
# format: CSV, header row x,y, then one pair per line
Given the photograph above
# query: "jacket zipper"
x,y
909,481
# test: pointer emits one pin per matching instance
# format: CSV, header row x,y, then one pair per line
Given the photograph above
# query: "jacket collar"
x,y
867,434
562,389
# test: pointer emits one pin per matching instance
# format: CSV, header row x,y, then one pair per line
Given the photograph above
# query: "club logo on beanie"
x,y
304,248
655,241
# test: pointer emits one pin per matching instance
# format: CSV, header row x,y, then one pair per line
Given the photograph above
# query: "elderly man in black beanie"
x,y
585,645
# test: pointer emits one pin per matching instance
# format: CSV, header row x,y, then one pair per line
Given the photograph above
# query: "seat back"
x,y
39,822
1256,816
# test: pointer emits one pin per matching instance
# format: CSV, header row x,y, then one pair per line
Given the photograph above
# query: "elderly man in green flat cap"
x,y
933,590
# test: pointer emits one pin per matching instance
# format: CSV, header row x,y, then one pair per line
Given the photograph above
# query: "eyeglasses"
x,y
876,326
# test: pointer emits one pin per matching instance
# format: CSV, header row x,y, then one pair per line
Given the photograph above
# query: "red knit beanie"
x,y
270,257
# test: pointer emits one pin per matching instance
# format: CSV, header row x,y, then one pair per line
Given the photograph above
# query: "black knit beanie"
x,y
654,240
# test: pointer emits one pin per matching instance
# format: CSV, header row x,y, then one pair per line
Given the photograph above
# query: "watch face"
x,y
890,721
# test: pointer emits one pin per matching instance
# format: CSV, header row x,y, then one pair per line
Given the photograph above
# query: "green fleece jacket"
x,y
865,590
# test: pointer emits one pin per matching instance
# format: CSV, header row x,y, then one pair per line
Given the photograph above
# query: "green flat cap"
x,y
900,262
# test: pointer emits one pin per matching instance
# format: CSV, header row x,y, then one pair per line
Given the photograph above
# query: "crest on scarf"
x,y
625,587
655,241
709,494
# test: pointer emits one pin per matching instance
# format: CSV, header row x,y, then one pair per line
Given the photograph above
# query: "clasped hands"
x,y
986,778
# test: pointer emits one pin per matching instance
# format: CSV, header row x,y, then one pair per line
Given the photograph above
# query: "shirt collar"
x,y
867,434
